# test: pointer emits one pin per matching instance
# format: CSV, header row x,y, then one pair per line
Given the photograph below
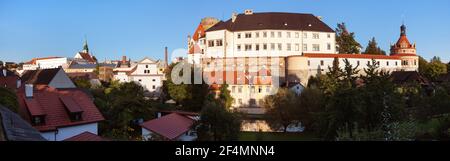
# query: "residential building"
x,y
172,127
55,78
148,74
45,63
87,136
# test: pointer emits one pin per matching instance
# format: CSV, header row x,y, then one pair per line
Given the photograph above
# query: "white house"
x,y
45,63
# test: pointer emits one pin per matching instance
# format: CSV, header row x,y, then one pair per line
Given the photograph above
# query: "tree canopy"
x,y
373,48
345,40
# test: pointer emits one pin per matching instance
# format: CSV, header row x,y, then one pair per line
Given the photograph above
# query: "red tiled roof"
x,y
355,56
70,104
86,136
87,57
199,33
170,126
47,100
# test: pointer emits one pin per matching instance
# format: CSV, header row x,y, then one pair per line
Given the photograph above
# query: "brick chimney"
x,y
166,57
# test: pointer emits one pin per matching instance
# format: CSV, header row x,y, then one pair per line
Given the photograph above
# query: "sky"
x,y
142,28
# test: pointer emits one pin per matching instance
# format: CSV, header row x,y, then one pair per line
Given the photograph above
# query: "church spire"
x,y
85,46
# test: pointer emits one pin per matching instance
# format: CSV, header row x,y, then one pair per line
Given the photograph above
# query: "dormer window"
x,y
38,120
72,108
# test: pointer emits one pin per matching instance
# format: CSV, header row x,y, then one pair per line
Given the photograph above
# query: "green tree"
x,y
311,102
435,68
373,48
82,83
121,105
225,96
190,96
9,99
345,40
217,123
281,109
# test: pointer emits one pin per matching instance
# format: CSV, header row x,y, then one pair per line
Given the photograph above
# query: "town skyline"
x,y
137,30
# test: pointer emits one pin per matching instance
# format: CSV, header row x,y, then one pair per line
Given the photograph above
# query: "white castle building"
x,y
303,44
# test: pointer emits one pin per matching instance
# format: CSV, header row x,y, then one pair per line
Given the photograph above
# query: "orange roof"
x,y
87,57
199,33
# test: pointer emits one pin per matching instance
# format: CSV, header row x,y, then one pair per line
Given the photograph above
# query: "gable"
x,y
147,61
61,80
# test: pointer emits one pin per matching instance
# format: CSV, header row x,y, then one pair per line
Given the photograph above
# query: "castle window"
x,y
297,47
305,47
329,35
279,34
289,47
321,63
233,89
248,35
240,90
315,36
329,46
297,35
211,43
288,35
396,63
272,34
238,47
257,47
264,34
309,63
260,89
316,47
272,46
257,34
387,63
219,42
238,36
305,35
280,47
248,47
264,46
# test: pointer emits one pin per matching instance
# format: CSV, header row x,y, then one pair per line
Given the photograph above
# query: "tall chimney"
x,y
29,90
166,58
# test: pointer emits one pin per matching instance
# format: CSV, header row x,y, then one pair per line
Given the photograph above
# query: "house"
x,y
55,78
92,77
14,128
86,136
296,87
409,78
123,70
45,63
80,67
9,79
148,75
176,126
58,114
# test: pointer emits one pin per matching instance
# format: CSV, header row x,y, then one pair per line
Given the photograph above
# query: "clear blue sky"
x,y
139,28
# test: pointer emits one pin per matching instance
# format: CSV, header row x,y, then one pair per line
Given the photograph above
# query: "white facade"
x,y
68,132
46,63
188,136
146,73
263,43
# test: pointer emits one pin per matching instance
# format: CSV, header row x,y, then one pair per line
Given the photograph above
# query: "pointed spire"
x,y
85,45
403,30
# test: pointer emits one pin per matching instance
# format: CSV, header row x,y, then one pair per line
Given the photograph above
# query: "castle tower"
x,y
406,51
